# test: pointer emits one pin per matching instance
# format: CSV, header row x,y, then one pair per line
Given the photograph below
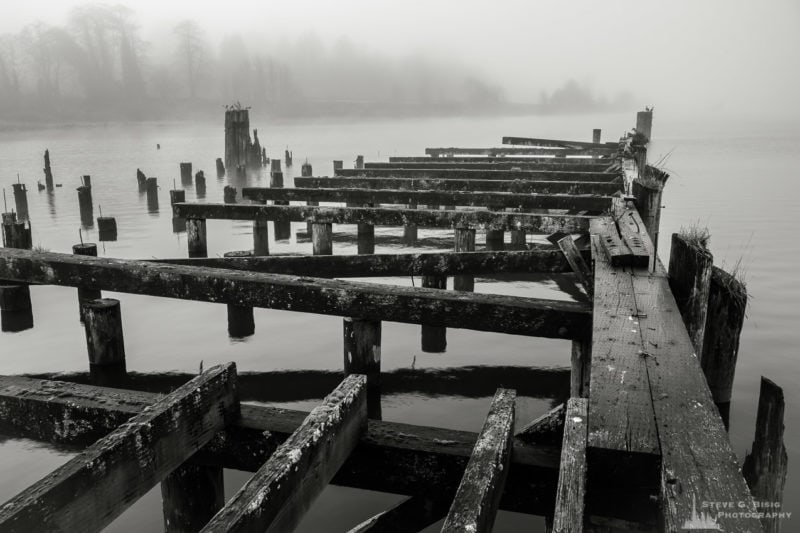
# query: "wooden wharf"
x,y
639,443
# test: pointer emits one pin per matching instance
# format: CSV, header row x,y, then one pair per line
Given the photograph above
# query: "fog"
x,y
145,58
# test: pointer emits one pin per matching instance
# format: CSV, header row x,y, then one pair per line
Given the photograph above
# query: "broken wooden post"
x,y
765,466
107,228
307,171
434,338
260,236
578,265
275,498
337,165
239,148
596,135
571,492
410,230
322,238
648,192
464,241
16,234
152,195
283,228
288,158
86,295
141,180
177,196
196,237
362,355
359,161
495,239
85,204
21,200
276,177
366,237
727,302
690,265
16,311
644,123
200,184
478,496
229,194
192,494
241,321
186,174
104,342
90,490
48,173
275,166
220,168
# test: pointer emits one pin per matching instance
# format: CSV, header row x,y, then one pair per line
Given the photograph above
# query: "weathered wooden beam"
x,y
576,262
531,159
470,174
554,143
415,513
379,196
478,495
572,165
569,512
633,233
523,150
542,260
503,314
93,488
690,264
515,186
392,457
385,217
280,492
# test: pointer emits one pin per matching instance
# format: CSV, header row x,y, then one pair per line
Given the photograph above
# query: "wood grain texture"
x,y
478,496
280,492
569,513
93,488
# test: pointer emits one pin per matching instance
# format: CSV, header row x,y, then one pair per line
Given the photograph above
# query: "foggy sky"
x,y
732,57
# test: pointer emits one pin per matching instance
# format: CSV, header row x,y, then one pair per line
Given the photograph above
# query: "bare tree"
x,y
192,51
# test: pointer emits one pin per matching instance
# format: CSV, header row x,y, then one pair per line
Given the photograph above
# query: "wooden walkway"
x,y
638,446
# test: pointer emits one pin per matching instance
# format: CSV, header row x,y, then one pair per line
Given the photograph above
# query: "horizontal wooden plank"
x,y
554,143
529,159
387,196
503,314
521,150
569,514
472,174
572,165
279,493
529,222
379,265
518,186
96,486
476,501
391,457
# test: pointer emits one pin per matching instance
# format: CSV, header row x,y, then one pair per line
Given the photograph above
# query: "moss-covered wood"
x,y
472,174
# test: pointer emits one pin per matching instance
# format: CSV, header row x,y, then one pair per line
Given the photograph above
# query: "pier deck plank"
x,y
521,150
477,174
499,164
555,143
569,514
526,159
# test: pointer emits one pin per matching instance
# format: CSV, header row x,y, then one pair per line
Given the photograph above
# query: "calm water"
x,y
734,178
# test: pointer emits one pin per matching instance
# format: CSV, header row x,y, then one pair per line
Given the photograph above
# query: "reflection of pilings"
x,y
21,200
16,313
186,174
152,195
299,385
241,322
765,466
434,338
86,295
86,206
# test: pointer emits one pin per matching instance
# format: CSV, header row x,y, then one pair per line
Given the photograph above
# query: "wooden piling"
x,y
220,168
16,312
196,237
238,145
362,355
86,295
644,123
366,237
495,239
727,302
307,171
107,228
337,165
464,241
276,178
191,494
17,234
434,338
229,194
275,165
765,466
518,239
85,205
86,181
648,193
186,174
322,238
141,180
288,158
689,278
177,196
21,200
152,195
200,183
104,341
410,230
260,236
596,135
48,172
359,161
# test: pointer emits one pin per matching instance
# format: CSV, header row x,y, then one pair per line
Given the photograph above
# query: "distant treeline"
x,y
97,67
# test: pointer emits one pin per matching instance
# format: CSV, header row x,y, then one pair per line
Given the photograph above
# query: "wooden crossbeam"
x,y
597,165
391,457
554,143
521,150
387,196
279,493
569,512
411,184
415,513
96,486
378,265
503,314
478,496
529,222
472,174
530,159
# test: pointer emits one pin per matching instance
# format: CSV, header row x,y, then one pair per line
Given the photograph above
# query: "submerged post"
x,y
648,192
196,237
141,180
107,228
220,168
85,204
596,136
464,241
16,234
104,341
359,161
152,195
16,311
